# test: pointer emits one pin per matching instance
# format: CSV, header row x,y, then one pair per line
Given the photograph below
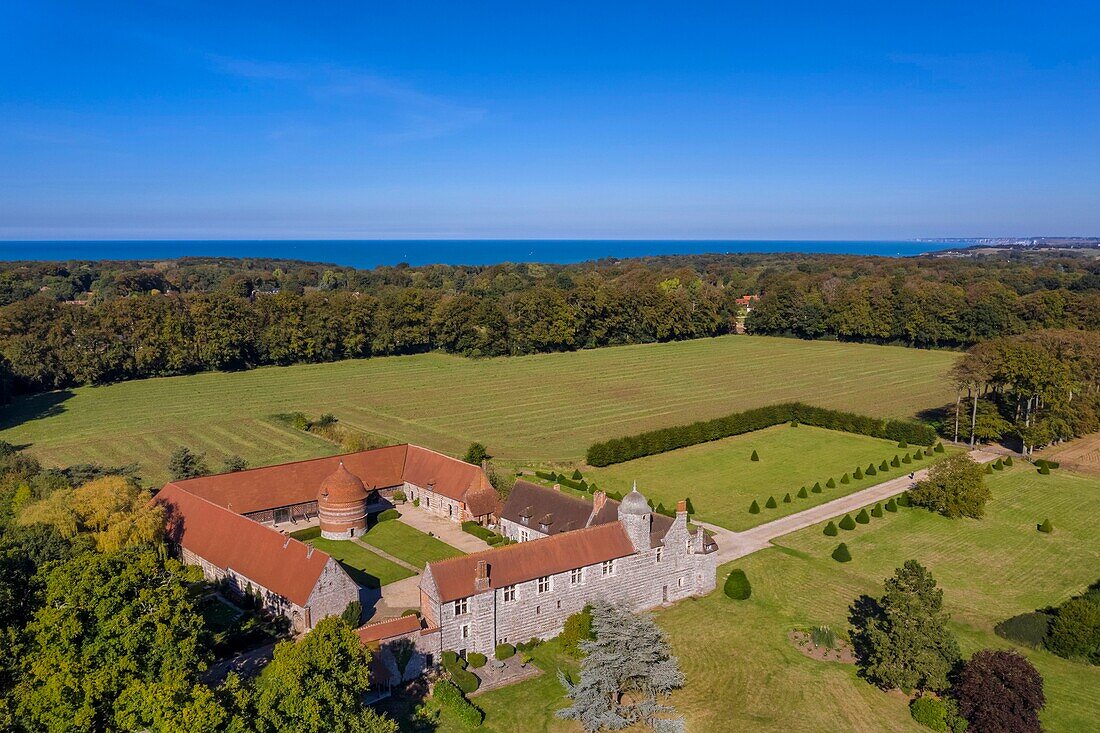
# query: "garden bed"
x,y
841,650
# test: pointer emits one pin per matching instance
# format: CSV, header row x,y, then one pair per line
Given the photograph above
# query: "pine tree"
x,y
626,674
1008,460
184,464
754,508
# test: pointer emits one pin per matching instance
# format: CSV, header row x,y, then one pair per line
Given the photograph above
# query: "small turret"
x,y
634,513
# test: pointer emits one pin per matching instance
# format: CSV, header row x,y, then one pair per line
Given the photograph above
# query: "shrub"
x,y
858,473
449,658
387,515
917,455
884,466
1075,630
891,505
448,695
830,484
1044,469
504,651
472,527
895,462
903,500
841,554
871,470
466,680
577,474
476,454
939,449
411,612
847,522
754,456
787,498
823,636
844,479
902,444
803,494
399,495
1008,460
831,530
737,585
352,613
495,540
817,487
754,508
1029,629
930,712
416,502
906,459
862,517
771,503
576,629
927,452
877,510
476,660
998,465
794,423
1046,526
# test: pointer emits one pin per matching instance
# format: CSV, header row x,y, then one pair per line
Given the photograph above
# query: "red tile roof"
x,y
454,578
265,556
446,475
388,629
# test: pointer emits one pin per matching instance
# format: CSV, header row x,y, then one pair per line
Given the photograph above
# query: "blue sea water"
x,y
372,253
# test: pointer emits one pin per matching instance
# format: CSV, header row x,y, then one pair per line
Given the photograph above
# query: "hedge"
x,y
618,450
847,522
448,695
387,515
504,651
476,660
830,530
1029,629
471,527
841,554
737,585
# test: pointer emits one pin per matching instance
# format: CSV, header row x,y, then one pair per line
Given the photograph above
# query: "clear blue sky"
x,y
189,119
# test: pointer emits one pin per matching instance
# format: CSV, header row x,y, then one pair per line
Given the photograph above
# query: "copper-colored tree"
x,y
1000,692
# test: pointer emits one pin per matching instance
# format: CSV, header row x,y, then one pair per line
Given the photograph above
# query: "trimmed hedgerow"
x,y
847,522
471,527
449,696
863,517
830,530
830,484
841,553
877,510
626,448
803,494
754,508
771,503
737,585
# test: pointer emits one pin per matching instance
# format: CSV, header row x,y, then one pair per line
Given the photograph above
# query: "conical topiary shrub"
x,y
1046,526
770,503
754,508
817,487
787,498
891,505
754,457
903,500
902,444
906,459
884,466
877,510
576,474
1008,460
844,479
938,448
830,484
803,494
737,586
794,423
830,530
841,554
871,469
847,522
989,468
858,473
917,455
927,451
1043,469
895,462
998,465
863,517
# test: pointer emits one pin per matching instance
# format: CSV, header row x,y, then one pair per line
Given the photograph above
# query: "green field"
x,y
365,567
407,543
722,480
546,407
742,674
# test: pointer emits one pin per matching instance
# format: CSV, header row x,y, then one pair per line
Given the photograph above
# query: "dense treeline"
x,y
92,322
630,447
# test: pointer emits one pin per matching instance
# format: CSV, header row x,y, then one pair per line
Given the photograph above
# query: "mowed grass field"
x,y
408,543
546,407
366,568
723,481
742,673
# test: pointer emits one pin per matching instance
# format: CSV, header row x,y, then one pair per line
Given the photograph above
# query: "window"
x,y
524,535
659,553
576,576
559,605
608,567
461,606
545,584
537,609
465,631
502,640
509,593
679,582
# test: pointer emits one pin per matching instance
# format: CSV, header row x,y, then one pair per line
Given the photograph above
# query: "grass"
x,y
365,567
722,481
743,674
546,407
408,543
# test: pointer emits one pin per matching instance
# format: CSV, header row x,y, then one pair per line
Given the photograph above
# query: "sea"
x,y
375,252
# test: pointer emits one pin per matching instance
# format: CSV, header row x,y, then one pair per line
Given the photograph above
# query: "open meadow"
x,y
546,407
743,674
722,480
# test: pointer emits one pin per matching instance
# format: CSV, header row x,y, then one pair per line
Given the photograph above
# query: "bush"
x,y
902,444
817,487
449,658
352,613
895,462
830,484
877,510
917,455
847,522
929,712
803,494
476,660
903,500
823,636
771,503
471,527
1029,629
831,530
998,465
387,515
989,468
577,474
504,651
906,459
787,498
754,508
466,680
1044,469
754,456
399,495
794,423
841,554
416,502
891,505
939,449
576,629
862,517
1008,460
448,695
1075,630
927,452
871,471
858,473
1046,526
844,479
411,612
737,585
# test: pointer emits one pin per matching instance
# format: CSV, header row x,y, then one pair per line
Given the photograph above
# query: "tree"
x,y
317,684
184,464
234,463
1000,692
352,613
901,639
576,629
476,453
830,530
737,585
627,673
954,487
1075,631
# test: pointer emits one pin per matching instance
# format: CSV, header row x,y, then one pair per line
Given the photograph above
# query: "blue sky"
x,y
188,119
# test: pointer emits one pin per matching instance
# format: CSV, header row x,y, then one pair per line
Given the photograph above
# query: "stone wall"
x,y
514,531
437,504
334,591
237,585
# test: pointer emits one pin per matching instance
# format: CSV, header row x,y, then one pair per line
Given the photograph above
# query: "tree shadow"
x,y
35,407
864,612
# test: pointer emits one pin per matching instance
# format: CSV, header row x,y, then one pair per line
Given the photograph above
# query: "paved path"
x,y
732,545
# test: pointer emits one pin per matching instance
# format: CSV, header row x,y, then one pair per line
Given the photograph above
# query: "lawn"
x,y
743,674
722,479
409,544
365,567
546,407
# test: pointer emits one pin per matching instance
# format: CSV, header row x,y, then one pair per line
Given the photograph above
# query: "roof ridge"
x,y
177,482
555,537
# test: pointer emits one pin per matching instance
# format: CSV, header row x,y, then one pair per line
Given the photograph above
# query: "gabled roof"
x,y
519,563
223,538
382,630
445,475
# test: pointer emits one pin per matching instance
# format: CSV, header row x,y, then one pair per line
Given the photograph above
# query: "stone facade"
x,y
435,503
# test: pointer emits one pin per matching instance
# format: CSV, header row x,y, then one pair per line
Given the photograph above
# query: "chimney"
x,y
682,506
481,577
557,487
598,500
485,465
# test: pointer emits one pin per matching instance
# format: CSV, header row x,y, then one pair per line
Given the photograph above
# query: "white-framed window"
x,y
576,576
545,584
461,606
607,567
465,631
679,582
509,592
524,535
659,553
